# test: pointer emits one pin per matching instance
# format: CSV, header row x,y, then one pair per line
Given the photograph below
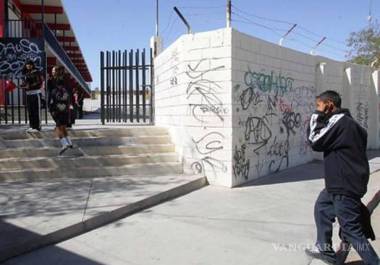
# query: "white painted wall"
x,y
193,99
238,107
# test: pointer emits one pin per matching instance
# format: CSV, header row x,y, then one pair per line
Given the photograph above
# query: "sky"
x,y
101,25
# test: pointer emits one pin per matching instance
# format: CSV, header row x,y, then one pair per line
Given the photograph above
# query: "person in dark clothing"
x,y
74,110
343,141
32,84
59,100
80,104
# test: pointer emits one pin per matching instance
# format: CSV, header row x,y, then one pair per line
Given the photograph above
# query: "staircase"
x,y
110,175
98,153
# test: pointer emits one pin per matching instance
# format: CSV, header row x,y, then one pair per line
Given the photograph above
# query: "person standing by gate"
x,y
59,100
332,130
32,84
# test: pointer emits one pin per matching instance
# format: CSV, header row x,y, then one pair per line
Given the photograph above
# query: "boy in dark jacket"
x,y
343,142
32,84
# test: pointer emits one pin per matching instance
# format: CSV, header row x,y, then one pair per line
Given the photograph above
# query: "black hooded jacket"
x,y
343,143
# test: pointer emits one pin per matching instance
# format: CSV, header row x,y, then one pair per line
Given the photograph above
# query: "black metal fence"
x,y
13,105
127,92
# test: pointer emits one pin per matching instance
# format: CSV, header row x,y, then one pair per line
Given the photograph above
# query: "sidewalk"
x,y
266,222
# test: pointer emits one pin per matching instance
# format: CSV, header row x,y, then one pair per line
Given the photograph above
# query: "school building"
x,y
37,30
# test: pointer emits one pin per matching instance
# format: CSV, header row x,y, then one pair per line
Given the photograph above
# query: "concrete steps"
x,y
136,149
41,173
99,153
109,175
127,132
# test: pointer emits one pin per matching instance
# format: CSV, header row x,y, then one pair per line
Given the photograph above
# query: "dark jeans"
x,y
34,110
348,212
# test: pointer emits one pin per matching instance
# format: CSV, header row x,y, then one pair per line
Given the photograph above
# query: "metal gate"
x,y
126,87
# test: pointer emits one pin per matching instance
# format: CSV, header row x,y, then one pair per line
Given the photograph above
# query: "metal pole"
x,y
6,19
183,19
312,52
42,11
286,34
157,18
229,10
369,18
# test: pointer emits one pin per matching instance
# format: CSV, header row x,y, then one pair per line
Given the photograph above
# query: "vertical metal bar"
x,y
131,85
119,94
116,87
2,80
6,107
6,19
113,87
157,18
11,95
55,22
2,87
18,102
151,88
143,85
43,11
25,101
137,55
124,85
45,77
102,87
228,13
108,87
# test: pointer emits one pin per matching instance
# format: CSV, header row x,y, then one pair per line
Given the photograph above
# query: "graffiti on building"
x,y
203,95
273,112
362,114
241,163
270,83
15,52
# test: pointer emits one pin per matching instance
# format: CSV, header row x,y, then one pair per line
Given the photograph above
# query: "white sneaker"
x,y
31,130
63,149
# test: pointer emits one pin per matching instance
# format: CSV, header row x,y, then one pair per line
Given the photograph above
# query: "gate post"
x,y
102,87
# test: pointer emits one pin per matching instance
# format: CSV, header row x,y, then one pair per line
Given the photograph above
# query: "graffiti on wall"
x,y
241,163
205,93
174,75
269,83
15,52
206,147
204,100
273,114
362,114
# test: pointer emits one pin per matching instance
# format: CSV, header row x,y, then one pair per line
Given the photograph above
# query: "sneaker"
x,y
328,257
31,130
63,149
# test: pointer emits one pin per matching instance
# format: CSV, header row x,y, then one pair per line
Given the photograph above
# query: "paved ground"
x,y
38,208
264,223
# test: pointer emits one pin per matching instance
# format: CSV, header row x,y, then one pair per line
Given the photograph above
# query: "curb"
x,y
101,220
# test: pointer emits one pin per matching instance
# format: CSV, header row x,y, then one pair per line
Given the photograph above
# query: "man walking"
x,y
32,84
344,142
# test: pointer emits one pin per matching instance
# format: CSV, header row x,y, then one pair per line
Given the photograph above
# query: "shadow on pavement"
x,y
55,254
310,171
306,172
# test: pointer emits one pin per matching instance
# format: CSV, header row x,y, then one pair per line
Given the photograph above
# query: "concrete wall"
x,y
238,107
193,98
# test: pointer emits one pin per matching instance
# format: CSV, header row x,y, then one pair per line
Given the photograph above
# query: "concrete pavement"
x,y
266,222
